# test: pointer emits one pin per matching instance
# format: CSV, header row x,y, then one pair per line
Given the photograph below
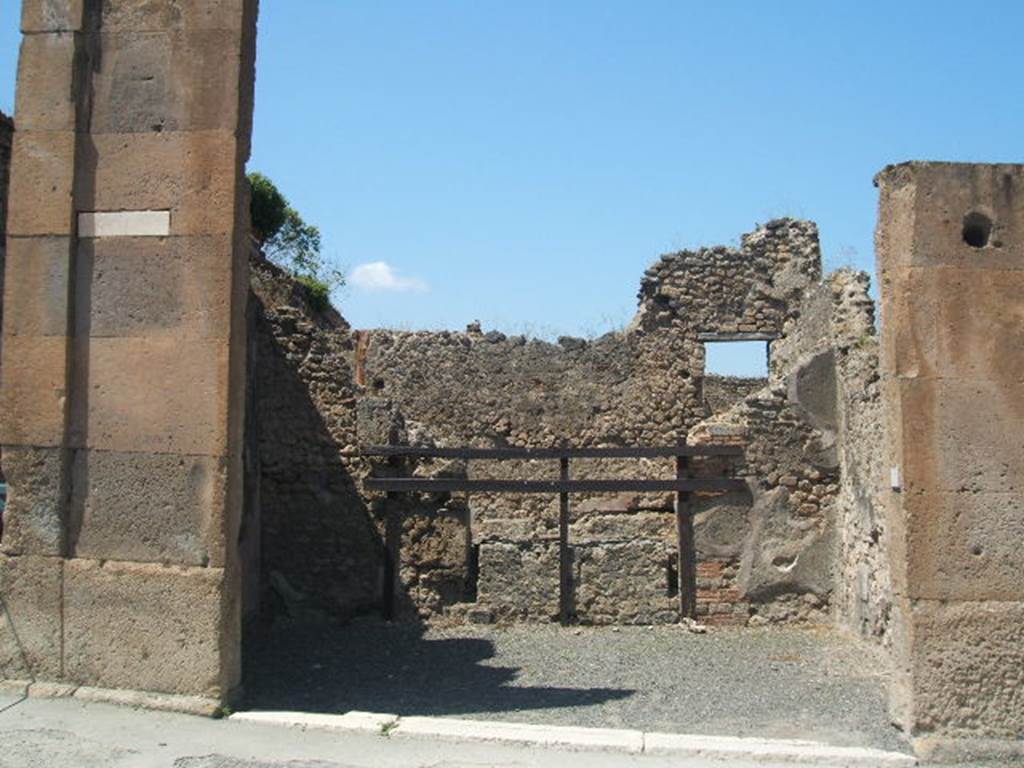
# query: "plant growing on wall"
x,y
290,242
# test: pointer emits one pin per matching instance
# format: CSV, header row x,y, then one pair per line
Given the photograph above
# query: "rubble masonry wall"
x,y
325,391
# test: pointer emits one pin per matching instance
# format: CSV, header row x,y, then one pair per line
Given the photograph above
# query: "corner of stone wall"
x,y
948,248
122,382
864,600
6,141
320,539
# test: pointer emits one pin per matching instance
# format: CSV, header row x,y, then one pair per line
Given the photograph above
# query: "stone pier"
x,y
950,246
124,345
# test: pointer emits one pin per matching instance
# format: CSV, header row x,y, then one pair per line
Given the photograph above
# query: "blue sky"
x,y
522,163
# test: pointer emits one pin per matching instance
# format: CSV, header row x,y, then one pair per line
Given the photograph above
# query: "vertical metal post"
x,y
565,589
685,543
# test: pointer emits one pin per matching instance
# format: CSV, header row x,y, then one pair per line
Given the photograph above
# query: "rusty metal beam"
x,y
554,453
452,485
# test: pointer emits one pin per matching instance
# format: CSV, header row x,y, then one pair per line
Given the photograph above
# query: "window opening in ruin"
x,y
740,359
977,229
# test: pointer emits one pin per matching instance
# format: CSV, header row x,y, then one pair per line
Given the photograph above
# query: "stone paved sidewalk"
x,y
70,733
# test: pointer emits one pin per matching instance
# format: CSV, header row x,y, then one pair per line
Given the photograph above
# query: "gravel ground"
x,y
781,683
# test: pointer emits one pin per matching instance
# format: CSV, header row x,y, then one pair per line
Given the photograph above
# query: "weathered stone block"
x,y
436,541
51,15
784,553
597,528
378,422
193,174
190,15
36,286
511,530
972,335
33,392
812,389
947,193
721,524
30,622
163,508
42,176
625,582
46,73
519,581
166,81
968,668
965,546
143,626
176,287
34,518
153,396
962,435
924,206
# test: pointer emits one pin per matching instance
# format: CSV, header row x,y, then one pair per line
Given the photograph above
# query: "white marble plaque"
x,y
124,224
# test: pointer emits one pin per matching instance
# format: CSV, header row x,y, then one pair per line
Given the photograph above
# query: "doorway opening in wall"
x,y
732,371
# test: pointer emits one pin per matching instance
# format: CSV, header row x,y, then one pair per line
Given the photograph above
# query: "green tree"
x,y
290,242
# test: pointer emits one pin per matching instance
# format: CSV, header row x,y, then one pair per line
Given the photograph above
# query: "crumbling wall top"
x,y
732,292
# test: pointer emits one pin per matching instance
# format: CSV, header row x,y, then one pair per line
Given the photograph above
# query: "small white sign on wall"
x,y
94,224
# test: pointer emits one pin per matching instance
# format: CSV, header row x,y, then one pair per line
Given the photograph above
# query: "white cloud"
x,y
381,276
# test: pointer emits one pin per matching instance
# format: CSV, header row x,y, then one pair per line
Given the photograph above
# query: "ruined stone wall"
x,y
835,328
478,389
773,546
753,289
864,596
319,547
723,392
323,391
644,385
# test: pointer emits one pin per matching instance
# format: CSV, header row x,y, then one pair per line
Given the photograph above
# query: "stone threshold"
x,y
583,739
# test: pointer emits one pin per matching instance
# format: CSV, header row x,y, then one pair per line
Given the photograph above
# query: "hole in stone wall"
x,y
671,577
745,359
977,229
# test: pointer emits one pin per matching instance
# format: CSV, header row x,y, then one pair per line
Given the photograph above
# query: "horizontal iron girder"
x,y
554,453
445,484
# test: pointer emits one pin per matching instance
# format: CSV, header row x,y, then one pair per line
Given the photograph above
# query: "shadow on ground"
x,y
394,668
772,682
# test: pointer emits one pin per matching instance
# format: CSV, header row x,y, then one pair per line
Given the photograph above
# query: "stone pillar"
x,y
950,246
122,387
